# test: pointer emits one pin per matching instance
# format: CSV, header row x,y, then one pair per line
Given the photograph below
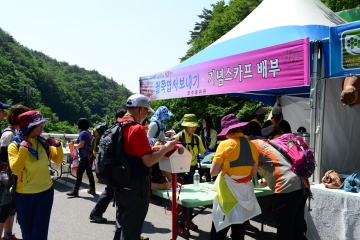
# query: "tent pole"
x,y
313,95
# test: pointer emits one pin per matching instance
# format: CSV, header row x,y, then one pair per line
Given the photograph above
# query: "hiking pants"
x,y
84,165
132,204
237,232
103,202
33,213
289,214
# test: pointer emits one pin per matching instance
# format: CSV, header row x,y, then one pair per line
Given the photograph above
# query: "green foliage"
x,y
63,92
339,5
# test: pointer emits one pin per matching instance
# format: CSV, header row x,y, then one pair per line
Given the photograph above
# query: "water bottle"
x,y
196,180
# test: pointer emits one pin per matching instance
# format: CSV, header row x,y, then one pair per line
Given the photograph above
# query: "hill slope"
x,y
68,90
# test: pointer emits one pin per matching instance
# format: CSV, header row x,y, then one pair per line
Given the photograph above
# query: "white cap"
x,y
276,110
262,110
139,100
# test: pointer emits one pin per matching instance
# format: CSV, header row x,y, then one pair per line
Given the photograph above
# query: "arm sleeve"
x,y
152,130
176,137
267,129
225,148
213,136
201,147
139,142
56,154
17,158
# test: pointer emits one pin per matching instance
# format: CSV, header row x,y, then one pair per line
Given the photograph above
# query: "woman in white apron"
x,y
235,160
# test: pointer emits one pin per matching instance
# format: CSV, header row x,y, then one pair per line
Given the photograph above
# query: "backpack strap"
x,y
158,129
44,144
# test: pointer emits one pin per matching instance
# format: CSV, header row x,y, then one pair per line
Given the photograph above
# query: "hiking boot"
x,y
74,193
142,237
181,229
192,226
97,219
91,191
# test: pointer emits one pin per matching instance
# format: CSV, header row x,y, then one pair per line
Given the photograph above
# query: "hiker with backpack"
x,y
28,156
234,163
133,195
7,201
290,190
108,194
157,126
193,143
276,126
86,160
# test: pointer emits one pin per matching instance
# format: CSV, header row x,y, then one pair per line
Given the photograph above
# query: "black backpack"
x,y
111,166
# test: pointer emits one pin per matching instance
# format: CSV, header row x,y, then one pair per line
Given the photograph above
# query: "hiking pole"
x,y
173,206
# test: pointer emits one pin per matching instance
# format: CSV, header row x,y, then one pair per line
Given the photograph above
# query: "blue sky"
x,y
119,39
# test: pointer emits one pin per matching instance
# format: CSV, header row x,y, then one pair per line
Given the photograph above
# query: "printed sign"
x,y
350,42
344,50
281,66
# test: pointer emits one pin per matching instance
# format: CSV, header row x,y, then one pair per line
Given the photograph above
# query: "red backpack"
x,y
297,152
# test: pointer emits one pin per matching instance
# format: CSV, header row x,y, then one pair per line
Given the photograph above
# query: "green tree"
x,y
339,5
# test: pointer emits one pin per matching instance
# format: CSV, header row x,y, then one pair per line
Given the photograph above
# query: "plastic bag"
x,y
75,165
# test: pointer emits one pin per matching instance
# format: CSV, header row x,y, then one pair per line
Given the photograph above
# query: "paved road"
x,y
70,218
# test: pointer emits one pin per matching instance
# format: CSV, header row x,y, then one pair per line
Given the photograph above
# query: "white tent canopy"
x,y
278,13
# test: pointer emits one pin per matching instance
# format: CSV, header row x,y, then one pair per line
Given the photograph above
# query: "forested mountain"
x,y
63,92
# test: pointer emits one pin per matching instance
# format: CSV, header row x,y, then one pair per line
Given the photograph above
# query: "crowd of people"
x,y
243,152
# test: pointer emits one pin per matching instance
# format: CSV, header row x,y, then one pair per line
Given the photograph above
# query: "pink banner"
x,y
281,66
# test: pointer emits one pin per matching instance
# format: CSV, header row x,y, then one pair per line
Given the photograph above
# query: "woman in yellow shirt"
x,y
28,158
236,160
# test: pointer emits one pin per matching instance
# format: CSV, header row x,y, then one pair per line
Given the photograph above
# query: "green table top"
x,y
202,197
205,165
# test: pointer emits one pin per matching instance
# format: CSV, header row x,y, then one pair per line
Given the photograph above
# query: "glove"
x,y
25,143
53,142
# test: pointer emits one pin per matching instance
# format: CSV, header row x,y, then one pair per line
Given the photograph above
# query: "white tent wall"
x,y
296,111
340,132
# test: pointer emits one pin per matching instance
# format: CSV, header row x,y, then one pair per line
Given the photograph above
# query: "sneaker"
x,y
97,219
251,228
142,237
181,229
13,238
192,225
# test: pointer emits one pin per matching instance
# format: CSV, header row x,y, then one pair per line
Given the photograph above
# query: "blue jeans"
x,y
33,212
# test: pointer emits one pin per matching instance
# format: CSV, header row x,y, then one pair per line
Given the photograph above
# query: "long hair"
x,y
209,125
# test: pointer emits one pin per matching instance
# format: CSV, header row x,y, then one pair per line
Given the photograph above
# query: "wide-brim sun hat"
x,y
189,120
230,122
29,119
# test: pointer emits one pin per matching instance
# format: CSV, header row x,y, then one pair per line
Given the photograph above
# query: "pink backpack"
x,y
295,149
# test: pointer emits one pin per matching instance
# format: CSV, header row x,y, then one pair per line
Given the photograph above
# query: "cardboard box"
x,y
177,160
